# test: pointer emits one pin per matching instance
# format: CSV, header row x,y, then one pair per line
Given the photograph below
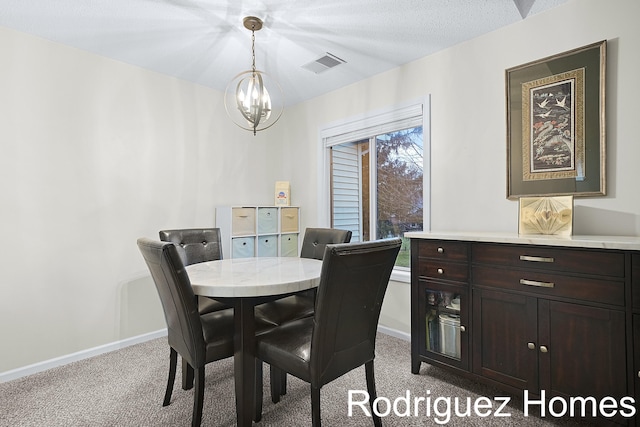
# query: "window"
x,y
376,177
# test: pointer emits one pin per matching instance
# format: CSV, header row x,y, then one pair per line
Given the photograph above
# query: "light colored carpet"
x,y
126,388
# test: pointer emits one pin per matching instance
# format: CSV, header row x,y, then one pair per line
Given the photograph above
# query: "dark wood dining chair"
x,y
341,335
199,339
301,305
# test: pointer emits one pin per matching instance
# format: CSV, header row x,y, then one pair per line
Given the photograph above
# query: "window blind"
x,y
398,119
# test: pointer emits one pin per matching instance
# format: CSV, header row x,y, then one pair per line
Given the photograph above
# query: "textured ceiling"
x,y
203,41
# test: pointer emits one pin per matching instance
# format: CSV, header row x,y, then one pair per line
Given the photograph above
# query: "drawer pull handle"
x,y
531,346
462,328
440,250
440,271
536,283
536,258
543,349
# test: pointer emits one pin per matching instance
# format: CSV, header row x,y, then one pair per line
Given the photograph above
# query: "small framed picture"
x,y
546,215
283,193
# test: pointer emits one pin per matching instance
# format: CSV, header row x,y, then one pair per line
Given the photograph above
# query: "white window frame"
x,y
363,126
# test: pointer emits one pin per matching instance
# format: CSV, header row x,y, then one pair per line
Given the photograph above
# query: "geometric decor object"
x,y
546,215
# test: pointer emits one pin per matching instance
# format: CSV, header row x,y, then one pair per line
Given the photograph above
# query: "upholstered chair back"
x,y
316,239
195,245
352,286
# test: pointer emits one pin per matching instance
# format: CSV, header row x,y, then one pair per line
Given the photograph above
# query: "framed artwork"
x,y
556,125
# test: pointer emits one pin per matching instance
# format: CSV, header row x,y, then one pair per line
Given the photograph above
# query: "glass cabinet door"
x,y
445,322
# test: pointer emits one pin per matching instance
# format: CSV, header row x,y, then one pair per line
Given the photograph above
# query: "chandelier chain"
x,y
253,50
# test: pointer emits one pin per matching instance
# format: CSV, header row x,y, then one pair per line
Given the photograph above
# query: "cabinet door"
x,y
636,363
505,338
581,349
635,277
444,323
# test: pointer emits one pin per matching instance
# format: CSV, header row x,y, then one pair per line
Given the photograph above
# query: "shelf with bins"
x,y
267,231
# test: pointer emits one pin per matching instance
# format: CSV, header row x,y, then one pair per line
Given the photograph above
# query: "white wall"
x,y
468,126
96,153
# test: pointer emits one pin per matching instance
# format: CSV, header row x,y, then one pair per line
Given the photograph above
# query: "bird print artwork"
x,y
544,115
552,127
543,104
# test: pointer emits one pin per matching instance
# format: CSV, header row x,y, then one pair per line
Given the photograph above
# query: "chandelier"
x,y
246,98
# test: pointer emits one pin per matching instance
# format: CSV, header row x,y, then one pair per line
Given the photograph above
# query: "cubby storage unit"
x,y
267,231
545,314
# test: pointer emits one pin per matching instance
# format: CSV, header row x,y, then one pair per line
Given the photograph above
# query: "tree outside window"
x,y
380,177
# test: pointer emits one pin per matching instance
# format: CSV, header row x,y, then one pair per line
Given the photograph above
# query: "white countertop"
x,y
254,277
597,242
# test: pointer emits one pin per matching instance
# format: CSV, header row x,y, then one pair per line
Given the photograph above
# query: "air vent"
x,y
323,63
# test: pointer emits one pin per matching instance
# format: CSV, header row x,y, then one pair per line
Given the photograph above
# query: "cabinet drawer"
x,y
444,270
267,220
243,221
550,284
442,249
289,245
243,247
288,220
600,263
268,246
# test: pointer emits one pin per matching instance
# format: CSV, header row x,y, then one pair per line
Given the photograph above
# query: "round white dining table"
x,y
243,283
254,277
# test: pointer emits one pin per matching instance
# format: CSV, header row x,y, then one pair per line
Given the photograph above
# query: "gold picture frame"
x,y
556,125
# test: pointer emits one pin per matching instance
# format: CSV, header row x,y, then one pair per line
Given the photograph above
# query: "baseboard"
x,y
74,357
394,333
117,345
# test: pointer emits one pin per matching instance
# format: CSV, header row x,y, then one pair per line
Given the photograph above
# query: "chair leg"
x,y
371,388
187,375
283,383
173,361
257,404
276,383
198,397
315,407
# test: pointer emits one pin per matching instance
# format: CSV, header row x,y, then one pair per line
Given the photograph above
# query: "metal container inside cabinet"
x,y
450,335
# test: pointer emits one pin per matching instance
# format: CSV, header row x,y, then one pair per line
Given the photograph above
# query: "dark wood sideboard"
x,y
552,316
